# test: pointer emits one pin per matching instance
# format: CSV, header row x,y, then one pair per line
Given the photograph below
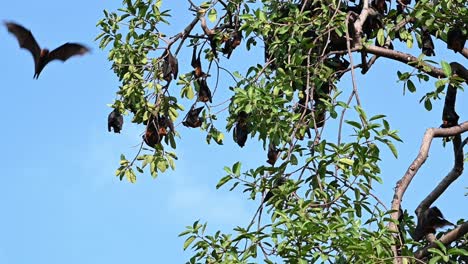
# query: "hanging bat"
x,y
156,129
241,129
427,44
115,121
449,115
204,93
455,39
164,123
192,119
232,43
428,222
170,66
272,155
151,136
380,6
196,64
42,56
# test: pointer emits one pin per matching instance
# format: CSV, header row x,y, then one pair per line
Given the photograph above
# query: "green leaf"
x,y
392,148
411,86
189,241
381,37
446,68
354,124
434,260
212,15
185,233
458,251
236,168
223,181
346,161
428,104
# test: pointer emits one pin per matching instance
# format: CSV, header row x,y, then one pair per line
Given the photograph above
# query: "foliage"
x,y
320,202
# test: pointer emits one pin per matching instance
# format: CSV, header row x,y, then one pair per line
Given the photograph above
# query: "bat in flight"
x,y
42,56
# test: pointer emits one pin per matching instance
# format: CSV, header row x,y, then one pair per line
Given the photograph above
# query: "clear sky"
x,y
60,200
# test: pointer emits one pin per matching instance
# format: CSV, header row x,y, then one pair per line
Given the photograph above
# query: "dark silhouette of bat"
x,y
204,92
380,6
232,43
241,129
427,44
428,222
115,121
156,129
42,56
272,155
455,39
170,66
151,136
449,115
192,119
196,64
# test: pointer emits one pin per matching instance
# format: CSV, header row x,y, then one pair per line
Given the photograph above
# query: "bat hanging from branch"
x,y
42,56
428,222
115,121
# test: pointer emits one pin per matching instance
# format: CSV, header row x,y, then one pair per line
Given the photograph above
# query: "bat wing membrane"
x,y
66,51
25,38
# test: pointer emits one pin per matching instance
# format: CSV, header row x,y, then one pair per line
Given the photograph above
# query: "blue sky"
x,y
60,200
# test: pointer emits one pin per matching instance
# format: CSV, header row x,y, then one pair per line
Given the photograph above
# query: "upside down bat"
x,y
428,222
204,92
232,43
156,129
196,64
170,66
241,129
115,121
42,56
272,154
192,119
455,39
427,44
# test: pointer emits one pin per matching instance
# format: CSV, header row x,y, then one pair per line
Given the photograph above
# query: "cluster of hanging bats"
x,y
157,127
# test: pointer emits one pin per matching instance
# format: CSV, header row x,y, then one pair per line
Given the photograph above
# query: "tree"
x,y
318,188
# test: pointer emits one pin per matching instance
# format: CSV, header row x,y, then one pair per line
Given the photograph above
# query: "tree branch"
x,y
449,179
404,182
446,239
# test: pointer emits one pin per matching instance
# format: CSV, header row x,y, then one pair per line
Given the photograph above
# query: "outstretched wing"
x,y
66,51
25,38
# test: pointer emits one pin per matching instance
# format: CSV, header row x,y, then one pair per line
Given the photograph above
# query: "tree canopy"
x,y
323,150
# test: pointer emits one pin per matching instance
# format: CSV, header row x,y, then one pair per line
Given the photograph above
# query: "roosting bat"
x,y
42,56
192,119
428,222
156,129
196,64
427,44
272,155
455,39
232,43
151,136
204,92
170,66
241,129
115,121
